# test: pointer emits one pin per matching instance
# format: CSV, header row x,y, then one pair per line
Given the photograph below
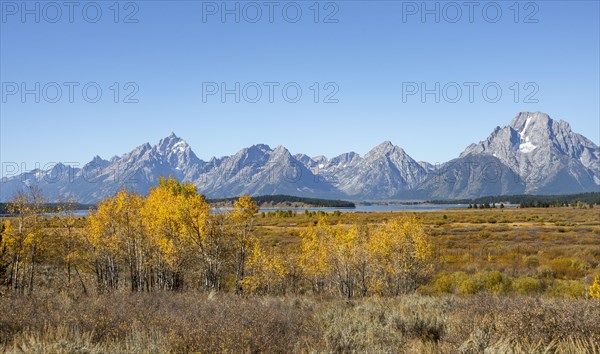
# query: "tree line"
x,y
6,208
531,200
289,200
170,240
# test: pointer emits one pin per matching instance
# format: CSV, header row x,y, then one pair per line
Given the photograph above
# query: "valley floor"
x,y
504,281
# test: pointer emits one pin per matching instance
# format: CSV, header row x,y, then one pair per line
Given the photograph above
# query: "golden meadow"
x,y
162,273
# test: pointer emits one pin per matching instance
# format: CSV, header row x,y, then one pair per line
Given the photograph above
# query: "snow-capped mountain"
x,y
534,154
260,170
137,170
382,173
544,153
257,170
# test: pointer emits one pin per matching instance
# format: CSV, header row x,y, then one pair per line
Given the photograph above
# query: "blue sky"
x,y
372,51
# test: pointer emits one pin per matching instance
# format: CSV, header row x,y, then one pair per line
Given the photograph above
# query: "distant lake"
x,y
381,208
359,208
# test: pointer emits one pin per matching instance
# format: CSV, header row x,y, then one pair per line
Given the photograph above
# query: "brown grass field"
x,y
504,281
562,241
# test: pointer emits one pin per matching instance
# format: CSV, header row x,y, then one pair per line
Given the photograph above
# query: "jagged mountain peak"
x,y
564,125
138,152
254,152
280,149
524,120
534,154
98,161
384,148
282,155
172,144
543,152
346,158
386,145
262,147
382,173
60,166
320,159
303,157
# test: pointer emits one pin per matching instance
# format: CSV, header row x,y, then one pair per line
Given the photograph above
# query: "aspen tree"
x,y
400,254
243,217
23,238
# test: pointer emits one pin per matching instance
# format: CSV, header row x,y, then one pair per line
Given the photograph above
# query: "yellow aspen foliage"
x,y
102,227
594,289
194,212
245,208
153,238
213,251
243,217
69,247
115,233
160,215
401,255
266,272
23,238
174,216
334,256
313,257
10,238
345,247
199,234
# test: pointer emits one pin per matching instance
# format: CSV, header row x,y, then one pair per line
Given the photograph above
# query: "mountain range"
x,y
533,155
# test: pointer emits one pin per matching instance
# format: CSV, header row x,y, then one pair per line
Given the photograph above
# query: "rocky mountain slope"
x,y
544,153
534,154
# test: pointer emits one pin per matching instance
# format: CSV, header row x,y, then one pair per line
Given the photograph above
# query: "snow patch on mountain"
x,y
527,146
544,153
179,147
534,154
522,133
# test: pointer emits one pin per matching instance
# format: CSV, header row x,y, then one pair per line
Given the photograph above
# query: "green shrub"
x,y
466,285
443,283
526,285
493,282
568,288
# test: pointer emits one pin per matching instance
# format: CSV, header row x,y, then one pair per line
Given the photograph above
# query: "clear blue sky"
x,y
369,53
